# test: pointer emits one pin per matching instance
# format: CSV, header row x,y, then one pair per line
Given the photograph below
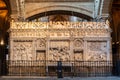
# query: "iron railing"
x,y
69,68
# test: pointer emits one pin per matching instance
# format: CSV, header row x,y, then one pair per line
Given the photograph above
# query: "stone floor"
x,y
55,78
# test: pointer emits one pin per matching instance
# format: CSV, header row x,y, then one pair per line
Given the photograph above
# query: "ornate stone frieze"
x,y
59,25
61,29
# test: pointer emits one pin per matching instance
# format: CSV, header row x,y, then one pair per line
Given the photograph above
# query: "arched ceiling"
x,y
60,12
23,9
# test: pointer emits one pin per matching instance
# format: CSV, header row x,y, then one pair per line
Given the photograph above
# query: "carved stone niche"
x,y
78,55
78,49
59,50
40,55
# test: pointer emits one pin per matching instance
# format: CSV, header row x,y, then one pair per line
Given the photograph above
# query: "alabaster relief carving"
x,y
59,25
42,29
78,43
97,50
78,56
97,45
59,53
40,55
22,51
41,43
97,56
59,45
59,50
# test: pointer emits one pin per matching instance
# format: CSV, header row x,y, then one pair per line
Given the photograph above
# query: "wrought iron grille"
x,y
69,68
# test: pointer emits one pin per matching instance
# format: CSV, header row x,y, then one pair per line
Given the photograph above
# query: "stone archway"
x,y
58,7
61,12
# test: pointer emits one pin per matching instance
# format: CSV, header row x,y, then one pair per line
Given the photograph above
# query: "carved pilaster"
x,y
11,49
71,53
47,47
34,49
85,50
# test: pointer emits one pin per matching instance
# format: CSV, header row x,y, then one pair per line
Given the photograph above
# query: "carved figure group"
x,y
22,51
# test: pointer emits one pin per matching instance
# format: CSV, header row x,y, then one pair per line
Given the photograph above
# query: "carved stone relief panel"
x,y
40,55
97,50
59,50
78,43
78,55
22,50
96,56
97,45
41,43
